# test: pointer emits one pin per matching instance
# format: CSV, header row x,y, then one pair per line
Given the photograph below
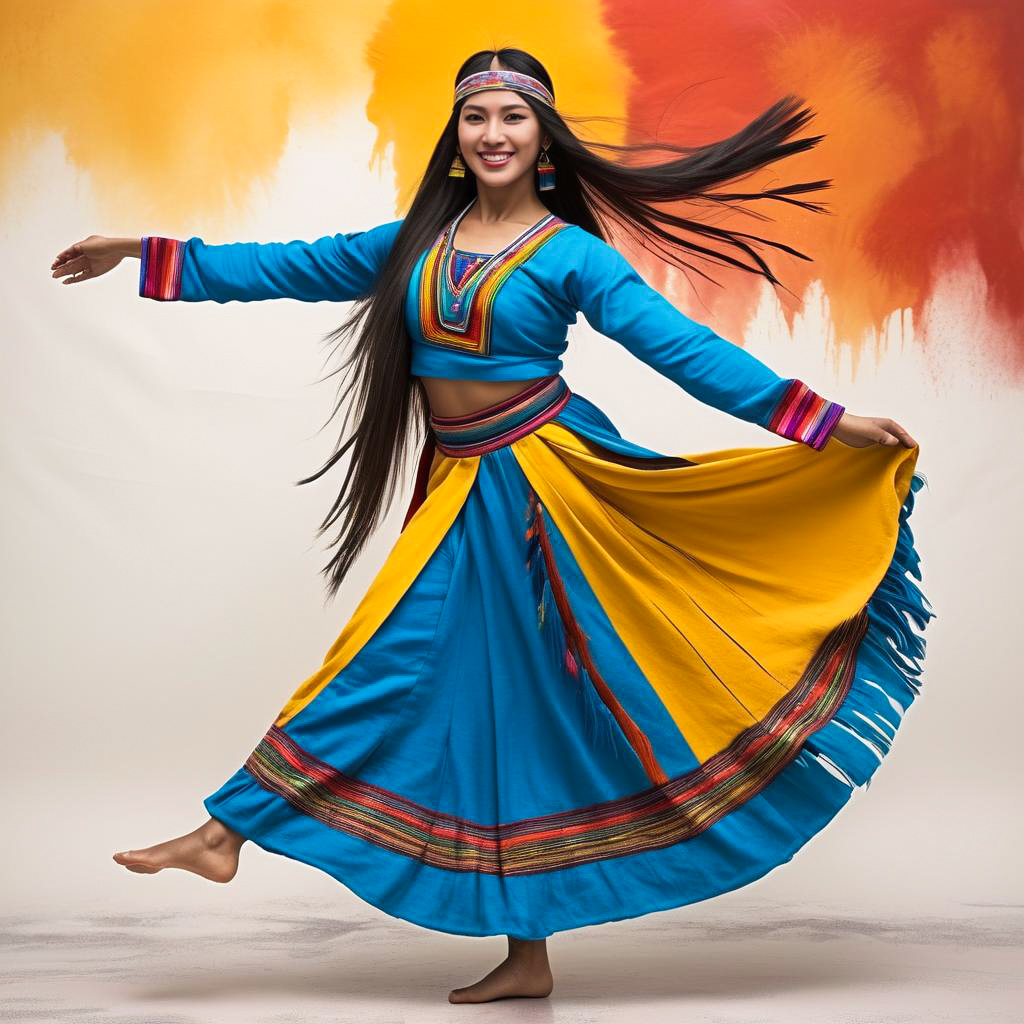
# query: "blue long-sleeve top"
x,y
500,316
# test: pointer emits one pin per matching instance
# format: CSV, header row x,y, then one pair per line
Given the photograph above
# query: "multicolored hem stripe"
x,y
803,415
495,426
656,817
160,270
459,313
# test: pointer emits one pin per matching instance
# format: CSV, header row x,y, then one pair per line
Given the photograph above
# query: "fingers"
x,y
72,265
66,254
896,434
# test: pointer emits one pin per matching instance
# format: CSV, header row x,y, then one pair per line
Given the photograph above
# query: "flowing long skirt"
x,y
593,681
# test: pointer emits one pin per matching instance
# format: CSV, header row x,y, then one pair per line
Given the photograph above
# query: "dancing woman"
x,y
591,680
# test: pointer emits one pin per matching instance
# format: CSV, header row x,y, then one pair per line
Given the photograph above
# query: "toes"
x,y
126,859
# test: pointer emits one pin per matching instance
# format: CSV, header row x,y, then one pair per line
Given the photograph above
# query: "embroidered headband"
x,y
500,79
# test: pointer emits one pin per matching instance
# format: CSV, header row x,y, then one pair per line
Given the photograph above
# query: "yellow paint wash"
x,y
417,49
182,107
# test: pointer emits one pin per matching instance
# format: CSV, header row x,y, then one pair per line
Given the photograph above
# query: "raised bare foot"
x,y
524,972
210,850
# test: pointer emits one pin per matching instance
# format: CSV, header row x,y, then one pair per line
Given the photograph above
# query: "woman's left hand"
x,y
862,431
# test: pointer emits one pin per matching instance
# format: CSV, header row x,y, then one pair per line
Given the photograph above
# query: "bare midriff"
x,y
450,397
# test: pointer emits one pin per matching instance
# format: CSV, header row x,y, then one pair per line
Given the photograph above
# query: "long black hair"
x,y
601,195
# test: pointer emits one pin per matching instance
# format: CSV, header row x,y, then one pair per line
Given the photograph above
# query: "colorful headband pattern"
x,y
499,79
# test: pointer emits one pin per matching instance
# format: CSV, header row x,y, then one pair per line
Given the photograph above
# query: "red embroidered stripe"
x,y
160,270
803,415
658,816
577,651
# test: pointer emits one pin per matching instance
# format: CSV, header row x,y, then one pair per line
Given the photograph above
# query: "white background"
x,y
161,588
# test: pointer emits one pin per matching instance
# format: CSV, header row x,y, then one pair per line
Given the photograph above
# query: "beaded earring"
x,y
546,171
458,168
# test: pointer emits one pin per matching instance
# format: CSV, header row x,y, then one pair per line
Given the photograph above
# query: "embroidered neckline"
x,y
474,273
458,313
471,262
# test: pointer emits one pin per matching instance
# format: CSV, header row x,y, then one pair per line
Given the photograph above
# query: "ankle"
x,y
530,951
215,833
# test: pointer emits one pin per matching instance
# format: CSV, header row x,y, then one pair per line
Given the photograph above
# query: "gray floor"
x,y
290,962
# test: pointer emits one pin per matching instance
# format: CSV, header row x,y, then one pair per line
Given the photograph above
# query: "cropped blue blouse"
x,y
500,316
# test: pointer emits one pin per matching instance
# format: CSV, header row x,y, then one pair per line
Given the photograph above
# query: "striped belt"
x,y
502,423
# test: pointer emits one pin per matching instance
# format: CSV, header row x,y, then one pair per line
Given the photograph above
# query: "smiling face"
x,y
499,136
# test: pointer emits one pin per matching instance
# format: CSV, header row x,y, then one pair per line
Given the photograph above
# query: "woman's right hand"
x,y
93,256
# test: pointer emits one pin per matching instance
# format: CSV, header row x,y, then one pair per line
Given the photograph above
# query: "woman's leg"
x,y
524,972
210,850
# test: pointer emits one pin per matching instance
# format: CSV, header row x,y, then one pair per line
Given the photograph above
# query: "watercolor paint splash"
x,y
920,104
182,107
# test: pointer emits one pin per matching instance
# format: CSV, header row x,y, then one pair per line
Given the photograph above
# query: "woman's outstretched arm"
x,y
617,301
336,268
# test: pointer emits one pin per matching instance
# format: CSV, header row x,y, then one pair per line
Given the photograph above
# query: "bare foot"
x,y
210,850
524,972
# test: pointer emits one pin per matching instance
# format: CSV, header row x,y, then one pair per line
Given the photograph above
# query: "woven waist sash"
x,y
495,426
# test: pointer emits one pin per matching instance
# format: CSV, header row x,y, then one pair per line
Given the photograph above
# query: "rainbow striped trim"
x,y
803,415
160,269
460,314
499,79
651,819
495,426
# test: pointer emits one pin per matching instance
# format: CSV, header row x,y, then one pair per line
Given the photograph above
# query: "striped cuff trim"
x,y
160,269
802,415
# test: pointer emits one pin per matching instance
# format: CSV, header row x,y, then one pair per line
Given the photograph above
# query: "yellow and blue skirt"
x,y
593,681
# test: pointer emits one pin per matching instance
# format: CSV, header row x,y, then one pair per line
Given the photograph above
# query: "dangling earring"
x,y
546,171
458,168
